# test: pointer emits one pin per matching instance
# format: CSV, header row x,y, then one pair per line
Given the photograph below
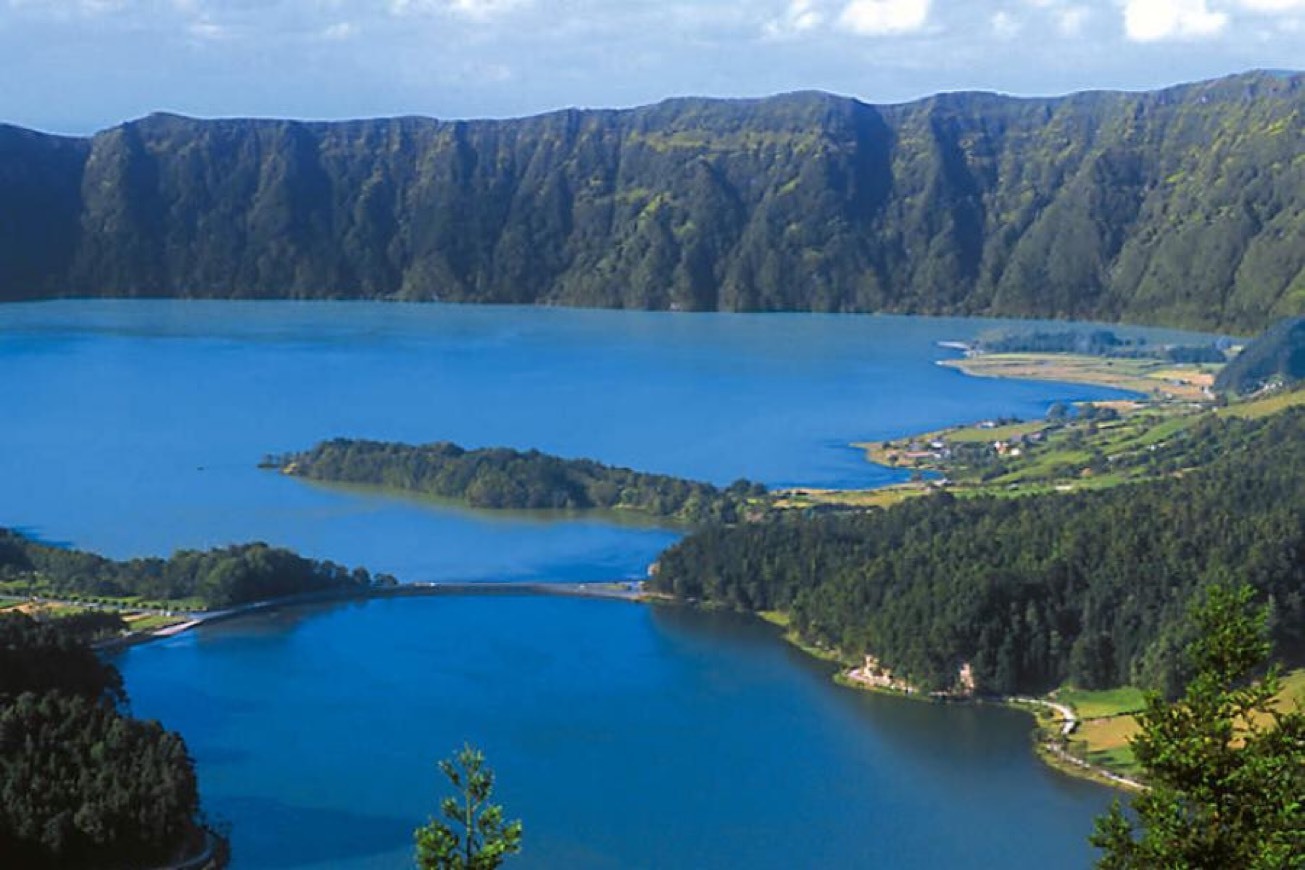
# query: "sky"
x,y
75,66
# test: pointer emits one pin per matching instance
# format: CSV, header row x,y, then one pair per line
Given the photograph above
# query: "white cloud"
x,y
1066,17
481,10
68,9
339,31
475,10
884,17
1274,5
1070,20
207,30
799,17
1155,20
1005,25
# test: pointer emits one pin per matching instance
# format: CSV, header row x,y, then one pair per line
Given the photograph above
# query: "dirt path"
x,y
1069,722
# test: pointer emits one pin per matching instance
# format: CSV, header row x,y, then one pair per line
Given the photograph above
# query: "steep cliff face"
x,y
40,207
1185,206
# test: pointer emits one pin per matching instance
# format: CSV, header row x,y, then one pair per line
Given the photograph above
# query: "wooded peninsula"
x,y
201,580
1090,588
498,478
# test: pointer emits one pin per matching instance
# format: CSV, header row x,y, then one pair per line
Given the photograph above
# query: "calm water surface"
x,y
625,736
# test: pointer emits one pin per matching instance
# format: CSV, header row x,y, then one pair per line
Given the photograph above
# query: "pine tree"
x,y
472,834
1226,770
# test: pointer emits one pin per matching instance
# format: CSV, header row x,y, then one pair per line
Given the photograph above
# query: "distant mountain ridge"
x,y
1184,206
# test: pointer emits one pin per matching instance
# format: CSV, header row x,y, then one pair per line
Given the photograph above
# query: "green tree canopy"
x,y
1226,769
499,478
82,783
471,835
1090,587
221,577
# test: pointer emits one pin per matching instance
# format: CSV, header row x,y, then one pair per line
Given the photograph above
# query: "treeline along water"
x,y
499,478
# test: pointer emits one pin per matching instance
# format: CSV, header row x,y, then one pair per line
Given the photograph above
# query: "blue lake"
x,y
624,735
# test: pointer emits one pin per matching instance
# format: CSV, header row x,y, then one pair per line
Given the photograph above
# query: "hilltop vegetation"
x,y
499,478
1184,206
1089,588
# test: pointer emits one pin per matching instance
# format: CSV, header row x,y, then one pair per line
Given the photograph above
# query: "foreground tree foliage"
x,y
47,656
472,834
1226,769
1091,588
82,784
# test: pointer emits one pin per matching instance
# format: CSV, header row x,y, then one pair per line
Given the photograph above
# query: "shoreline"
x,y
1050,747
1052,736
1155,379
1050,742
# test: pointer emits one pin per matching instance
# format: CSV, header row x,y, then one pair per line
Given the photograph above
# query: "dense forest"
x,y
82,784
1091,588
1184,206
499,477
218,578
1277,355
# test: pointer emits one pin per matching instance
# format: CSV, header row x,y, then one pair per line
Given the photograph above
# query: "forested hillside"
x,y
83,783
1184,206
1091,588
1277,355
